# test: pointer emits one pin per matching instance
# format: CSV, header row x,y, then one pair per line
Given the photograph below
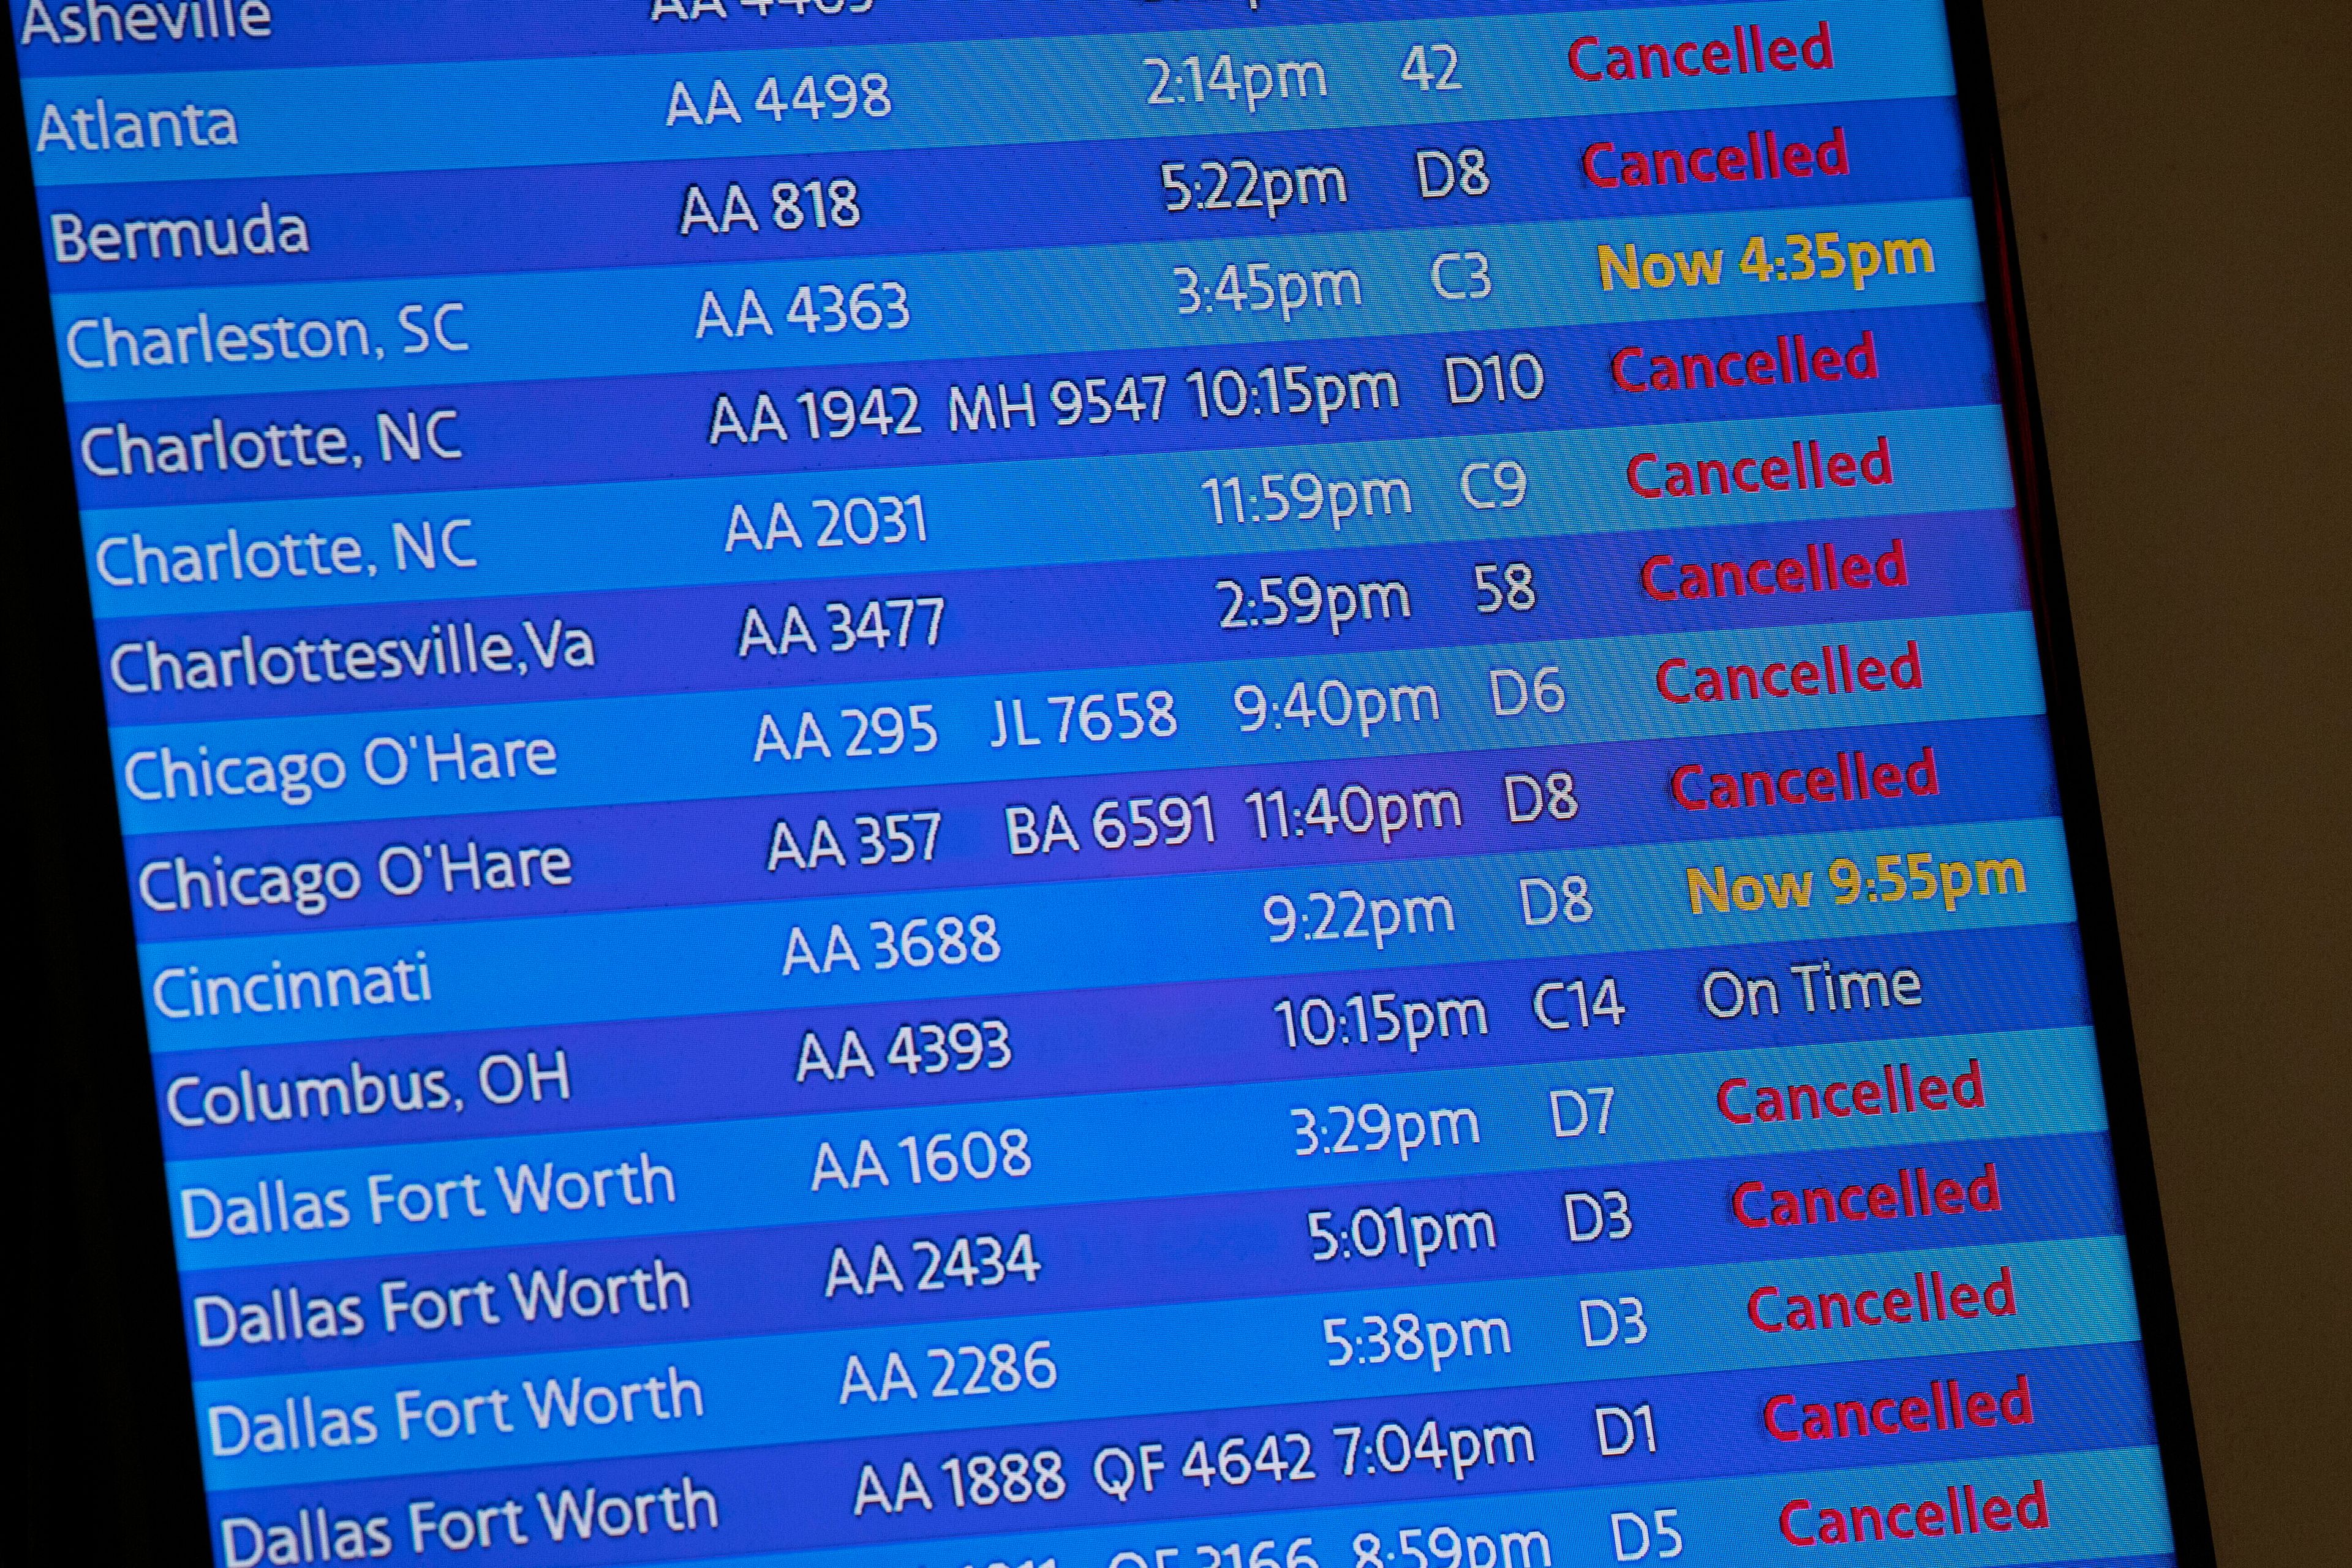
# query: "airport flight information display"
x,y
1085,784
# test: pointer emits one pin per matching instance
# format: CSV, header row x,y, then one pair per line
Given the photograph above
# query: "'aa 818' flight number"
x,y
792,205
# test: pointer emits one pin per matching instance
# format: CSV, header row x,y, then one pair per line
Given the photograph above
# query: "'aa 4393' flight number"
x,y
925,1051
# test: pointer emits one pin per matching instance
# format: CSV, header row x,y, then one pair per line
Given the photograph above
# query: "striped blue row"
x,y
288,228
184,885
800,1389
984,941
1031,727
616,109
730,1175
1419,597
720,1285
758,422
2103,1507
414,30
570,538
457,331
564,1077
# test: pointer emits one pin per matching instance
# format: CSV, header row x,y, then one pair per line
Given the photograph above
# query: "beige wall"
x,y
2177,168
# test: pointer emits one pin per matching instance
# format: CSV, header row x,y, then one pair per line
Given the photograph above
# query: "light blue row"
x,y
800,1388
726,744
1100,1148
507,114
540,326
2104,1503
577,538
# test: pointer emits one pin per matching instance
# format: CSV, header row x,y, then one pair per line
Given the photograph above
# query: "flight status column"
x,y
1240,784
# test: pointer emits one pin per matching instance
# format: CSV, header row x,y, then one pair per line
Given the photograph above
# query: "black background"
x,y
2177,168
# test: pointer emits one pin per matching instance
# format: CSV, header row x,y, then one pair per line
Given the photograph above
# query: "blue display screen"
x,y
1085,784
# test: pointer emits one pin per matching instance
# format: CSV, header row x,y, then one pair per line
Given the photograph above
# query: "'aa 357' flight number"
x,y
892,838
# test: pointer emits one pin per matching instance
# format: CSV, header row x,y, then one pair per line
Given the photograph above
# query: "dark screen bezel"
x,y
119,1465
2078,794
